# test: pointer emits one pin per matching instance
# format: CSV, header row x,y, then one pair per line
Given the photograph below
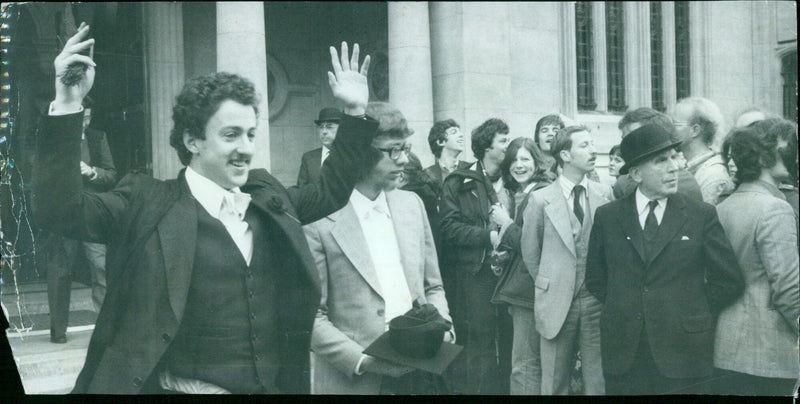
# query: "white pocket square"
x,y
685,238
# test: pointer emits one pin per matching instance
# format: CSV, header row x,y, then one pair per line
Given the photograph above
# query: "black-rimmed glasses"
x,y
394,152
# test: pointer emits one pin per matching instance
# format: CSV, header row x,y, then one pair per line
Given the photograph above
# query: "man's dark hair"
x,y
563,141
547,120
483,136
646,116
200,99
438,133
615,151
785,132
540,172
752,148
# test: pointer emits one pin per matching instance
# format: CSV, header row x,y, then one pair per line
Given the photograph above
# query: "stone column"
x,y
410,80
700,36
567,57
600,52
637,55
163,30
242,49
668,35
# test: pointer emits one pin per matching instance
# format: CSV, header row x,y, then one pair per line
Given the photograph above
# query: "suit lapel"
x,y
407,240
670,224
595,200
628,217
178,245
556,210
348,234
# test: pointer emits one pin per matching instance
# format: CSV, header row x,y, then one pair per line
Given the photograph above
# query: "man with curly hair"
x,y
211,285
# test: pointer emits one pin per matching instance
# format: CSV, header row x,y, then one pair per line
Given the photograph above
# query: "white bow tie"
x,y
236,203
377,210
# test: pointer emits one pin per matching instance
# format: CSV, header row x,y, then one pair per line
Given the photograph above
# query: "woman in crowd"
x,y
615,162
523,171
755,348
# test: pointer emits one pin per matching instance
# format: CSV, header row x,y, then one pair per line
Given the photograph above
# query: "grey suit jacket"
x,y
351,311
757,334
548,251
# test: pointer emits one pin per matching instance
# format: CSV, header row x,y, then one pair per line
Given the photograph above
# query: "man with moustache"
x,y
211,286
637,118
555,238
664,269
311,162
471,205
447,142
375,256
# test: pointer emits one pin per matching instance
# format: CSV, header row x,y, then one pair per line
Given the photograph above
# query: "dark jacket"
x,y
464,220
150,228
516,284
310,167
435,171
100,159
675,296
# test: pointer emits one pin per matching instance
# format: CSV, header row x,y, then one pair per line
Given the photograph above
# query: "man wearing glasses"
x,y
327,125
375,257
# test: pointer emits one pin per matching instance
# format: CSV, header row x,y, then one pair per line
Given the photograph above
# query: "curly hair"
x,y
563,141
540,172
438,133
483,136
752,149
200,99
785,132
547,120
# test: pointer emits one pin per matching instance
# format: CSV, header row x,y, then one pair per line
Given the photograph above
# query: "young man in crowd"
x,y
375,258
447,142
555,238
664,269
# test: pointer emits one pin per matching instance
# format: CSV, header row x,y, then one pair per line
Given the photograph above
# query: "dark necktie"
x,y
650,229
576,202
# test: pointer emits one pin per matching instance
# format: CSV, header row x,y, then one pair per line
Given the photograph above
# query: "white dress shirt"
x,y
643,209
567,187
325,153
228,207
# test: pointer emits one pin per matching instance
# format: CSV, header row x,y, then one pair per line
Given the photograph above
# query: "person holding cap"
x,y
664,269
327,125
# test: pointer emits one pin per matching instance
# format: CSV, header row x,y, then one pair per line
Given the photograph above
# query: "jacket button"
x,y
645,289
137,381
255,337
256,358
252,316
249,274
165,337
251,294
638,316
380,312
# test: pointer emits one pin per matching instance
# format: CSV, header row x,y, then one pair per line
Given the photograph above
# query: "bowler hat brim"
x,y
383,349
642,157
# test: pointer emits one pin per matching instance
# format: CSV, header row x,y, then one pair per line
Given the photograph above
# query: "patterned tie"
x,y
576,202
650,230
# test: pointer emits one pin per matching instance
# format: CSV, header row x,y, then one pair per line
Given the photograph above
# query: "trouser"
x,y
62,256
728,382
644,378
582,325
483,367
526,367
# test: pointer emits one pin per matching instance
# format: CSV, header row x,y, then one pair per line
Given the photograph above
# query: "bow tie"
x,y
378,210
235,202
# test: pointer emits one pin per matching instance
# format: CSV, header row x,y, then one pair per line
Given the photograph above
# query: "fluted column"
x,y
637,55
242,49
410,79
668,35
165,77
569,73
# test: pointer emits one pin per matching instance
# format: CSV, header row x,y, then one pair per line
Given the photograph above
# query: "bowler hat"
x,y
415,339
642,143
329,115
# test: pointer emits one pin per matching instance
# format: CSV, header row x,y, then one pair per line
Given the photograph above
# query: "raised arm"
x,y
351,152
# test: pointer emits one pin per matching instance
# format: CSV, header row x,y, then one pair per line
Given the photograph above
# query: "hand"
x,y
348,84
69,98
86,170
499,215
372,364
450,336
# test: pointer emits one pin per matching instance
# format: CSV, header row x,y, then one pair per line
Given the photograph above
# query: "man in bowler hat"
x,y
311,162
662,265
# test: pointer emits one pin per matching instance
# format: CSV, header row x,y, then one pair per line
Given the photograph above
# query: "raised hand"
x,y
348,83
69,97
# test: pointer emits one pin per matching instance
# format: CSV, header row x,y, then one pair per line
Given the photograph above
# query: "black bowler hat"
x,y
329,115
642,143
415,339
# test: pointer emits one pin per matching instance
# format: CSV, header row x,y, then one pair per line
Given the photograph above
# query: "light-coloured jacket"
x,y
548,251
351,311
757,335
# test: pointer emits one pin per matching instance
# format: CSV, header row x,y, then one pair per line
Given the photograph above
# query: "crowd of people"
x,y
681,277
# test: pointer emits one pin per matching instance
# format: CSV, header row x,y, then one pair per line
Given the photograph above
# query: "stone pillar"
x,y
567,57
700,36
600,52
410,79
637,55
242,49
668,36
163,30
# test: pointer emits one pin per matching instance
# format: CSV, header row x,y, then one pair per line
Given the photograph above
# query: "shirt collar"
x,y
642,201
694,163
567,185
363,205
207,192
